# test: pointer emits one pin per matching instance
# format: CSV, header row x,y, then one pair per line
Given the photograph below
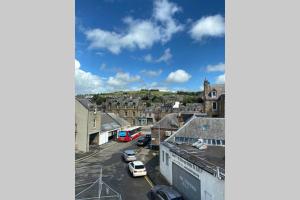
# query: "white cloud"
x,y
121,80
86,82
148,58
165,57
220,79
152,73
140,34
163,13
211,26
216,68
179,76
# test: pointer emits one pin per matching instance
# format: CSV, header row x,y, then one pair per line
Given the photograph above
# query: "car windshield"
x,y
141,139
130,154
139,167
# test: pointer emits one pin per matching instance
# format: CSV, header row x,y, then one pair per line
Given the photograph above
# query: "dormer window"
x,y
214,93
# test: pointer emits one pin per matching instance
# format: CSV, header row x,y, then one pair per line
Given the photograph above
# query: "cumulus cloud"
x,y
152,73
211,26
140,34
216,68
86,82
121,80
220,79
179,76
163,13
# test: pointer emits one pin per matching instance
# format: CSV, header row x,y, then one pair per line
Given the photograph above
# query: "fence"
x,y
97,190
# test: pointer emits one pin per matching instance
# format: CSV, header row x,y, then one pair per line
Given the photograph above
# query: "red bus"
x,y
129,134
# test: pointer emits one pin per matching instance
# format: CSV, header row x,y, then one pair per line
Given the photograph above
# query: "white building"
x,y
196,174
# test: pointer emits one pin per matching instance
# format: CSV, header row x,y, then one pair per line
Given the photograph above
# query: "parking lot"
x,y
114,172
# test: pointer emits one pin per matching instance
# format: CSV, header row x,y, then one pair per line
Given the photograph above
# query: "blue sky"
x,y
134,44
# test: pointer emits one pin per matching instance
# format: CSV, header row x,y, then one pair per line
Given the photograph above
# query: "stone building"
x,y
87,124
125,107
214,99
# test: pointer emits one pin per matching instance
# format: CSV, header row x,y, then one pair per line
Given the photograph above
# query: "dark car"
x,y
143,140
163,192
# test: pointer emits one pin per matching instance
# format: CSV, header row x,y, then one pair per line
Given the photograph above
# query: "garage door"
x,y
188,185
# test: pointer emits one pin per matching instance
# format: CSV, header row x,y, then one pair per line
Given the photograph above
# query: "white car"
x,y
137,168
129,155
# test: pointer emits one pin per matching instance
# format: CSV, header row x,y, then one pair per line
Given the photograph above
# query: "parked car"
x,y
143,140
129,155
163,192
137,168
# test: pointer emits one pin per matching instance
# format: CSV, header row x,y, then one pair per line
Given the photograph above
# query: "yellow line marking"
x,y
148,180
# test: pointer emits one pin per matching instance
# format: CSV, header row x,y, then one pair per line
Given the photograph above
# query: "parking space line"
x,y
149,182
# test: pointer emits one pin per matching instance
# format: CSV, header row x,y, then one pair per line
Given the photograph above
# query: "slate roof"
x,y
119,120
86,103
203,127
108,123
170,121
220,88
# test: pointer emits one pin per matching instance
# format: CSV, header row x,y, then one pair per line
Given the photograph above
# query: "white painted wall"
x,y
103,137
209,183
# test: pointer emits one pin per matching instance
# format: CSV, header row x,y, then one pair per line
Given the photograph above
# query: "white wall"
x,y
103,137
209,183
165,170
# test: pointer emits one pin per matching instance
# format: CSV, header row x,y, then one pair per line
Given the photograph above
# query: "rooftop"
x,y
207,159
204,128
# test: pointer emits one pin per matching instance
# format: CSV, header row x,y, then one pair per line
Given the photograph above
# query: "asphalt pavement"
x,y
114,172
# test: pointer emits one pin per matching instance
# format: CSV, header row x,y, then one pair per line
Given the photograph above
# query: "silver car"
x,y
129,155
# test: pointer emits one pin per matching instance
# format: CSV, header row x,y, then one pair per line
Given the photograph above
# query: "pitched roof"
x,y
220,88
86,103
119,120
108,123
170,121
202,127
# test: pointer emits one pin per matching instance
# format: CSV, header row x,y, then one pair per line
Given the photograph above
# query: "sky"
x,y
169,45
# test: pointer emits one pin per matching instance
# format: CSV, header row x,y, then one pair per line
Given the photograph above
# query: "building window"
x,y
214,142
94,123
214,94
223,141
218,142
133,113
214,106
167,159
126,113
163,156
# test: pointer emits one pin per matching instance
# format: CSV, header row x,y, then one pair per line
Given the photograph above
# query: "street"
x,y
114,172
